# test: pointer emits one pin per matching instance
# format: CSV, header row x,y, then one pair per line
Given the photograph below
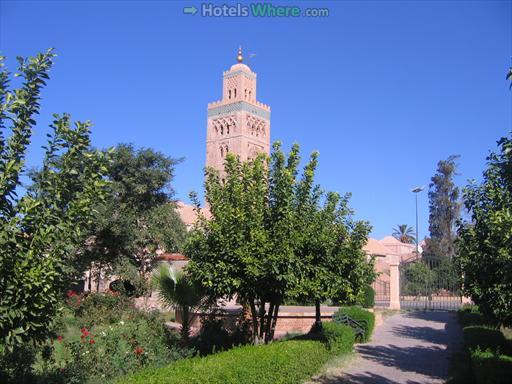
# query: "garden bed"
x,y
281,362
489,350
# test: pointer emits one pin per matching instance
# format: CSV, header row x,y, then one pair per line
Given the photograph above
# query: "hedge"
x,y
469,315
491,367
483,337
488,348
284,362
338,338
358,314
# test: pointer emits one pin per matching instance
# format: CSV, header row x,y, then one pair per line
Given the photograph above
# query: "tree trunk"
x,y
98,279
273,322
318,315
262,319
268,324
254,316
185,324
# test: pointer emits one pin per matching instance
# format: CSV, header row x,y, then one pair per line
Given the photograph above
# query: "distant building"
x,y
238,124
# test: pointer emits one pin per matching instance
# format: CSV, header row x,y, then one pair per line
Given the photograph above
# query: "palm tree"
x,y
177,290
404,233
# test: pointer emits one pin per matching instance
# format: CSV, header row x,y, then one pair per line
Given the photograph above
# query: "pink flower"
x,y
59,338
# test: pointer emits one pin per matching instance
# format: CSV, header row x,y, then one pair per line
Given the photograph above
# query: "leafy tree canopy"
x,y
42,228
139,216
269,237
485,241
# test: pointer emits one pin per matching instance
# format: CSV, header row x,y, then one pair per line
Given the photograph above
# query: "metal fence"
x,y
382,295
429,284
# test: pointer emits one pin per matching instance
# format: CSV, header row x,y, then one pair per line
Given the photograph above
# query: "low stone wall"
x,y
291,319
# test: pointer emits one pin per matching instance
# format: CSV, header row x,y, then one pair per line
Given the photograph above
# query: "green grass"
x,y
284,362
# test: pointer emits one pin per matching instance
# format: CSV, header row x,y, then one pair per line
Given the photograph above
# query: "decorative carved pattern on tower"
x,y
238,123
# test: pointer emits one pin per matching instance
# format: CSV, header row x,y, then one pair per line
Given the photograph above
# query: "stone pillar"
x,y
394,285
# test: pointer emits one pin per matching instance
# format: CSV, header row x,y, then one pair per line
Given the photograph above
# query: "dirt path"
x,y
409,348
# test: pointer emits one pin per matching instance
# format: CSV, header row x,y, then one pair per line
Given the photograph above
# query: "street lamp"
x,y
416,190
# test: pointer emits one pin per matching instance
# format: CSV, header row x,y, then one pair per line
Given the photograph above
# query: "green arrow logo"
x,y
190,10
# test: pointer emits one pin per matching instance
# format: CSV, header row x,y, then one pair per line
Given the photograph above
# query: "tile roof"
x,y
172,257
375,247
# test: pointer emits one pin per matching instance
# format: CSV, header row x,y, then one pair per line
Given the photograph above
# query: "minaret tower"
x,y
238,123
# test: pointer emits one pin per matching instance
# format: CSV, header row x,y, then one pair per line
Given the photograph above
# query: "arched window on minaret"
x,y
234,97
221,151
250,95
229,94
227,128
245,96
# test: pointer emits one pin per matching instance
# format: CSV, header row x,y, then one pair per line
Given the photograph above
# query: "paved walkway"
x,y
409,348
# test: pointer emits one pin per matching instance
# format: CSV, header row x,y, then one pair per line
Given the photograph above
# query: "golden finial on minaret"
x,y
240,58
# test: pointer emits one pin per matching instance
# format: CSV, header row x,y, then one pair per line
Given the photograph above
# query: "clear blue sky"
x,y
382,89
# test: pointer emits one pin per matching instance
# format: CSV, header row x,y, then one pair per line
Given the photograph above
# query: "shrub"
x,y
483,337
469,308
106,351
488,363
362,316
104,308
470,315
212,338
279,362
368,297
491,367
338,338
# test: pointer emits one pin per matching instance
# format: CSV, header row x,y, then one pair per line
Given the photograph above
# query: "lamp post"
x,y
416,190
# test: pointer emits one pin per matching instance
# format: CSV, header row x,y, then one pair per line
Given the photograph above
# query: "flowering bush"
x,y
99,308
105,351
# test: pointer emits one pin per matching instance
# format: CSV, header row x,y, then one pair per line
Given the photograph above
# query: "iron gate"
x,y
429,283
381,288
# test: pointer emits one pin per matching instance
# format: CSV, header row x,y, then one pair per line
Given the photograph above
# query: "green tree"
x,y
178,290
444,210
262,241
139,216
404,233
44,226
247,249
485,241
418,279
334,263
